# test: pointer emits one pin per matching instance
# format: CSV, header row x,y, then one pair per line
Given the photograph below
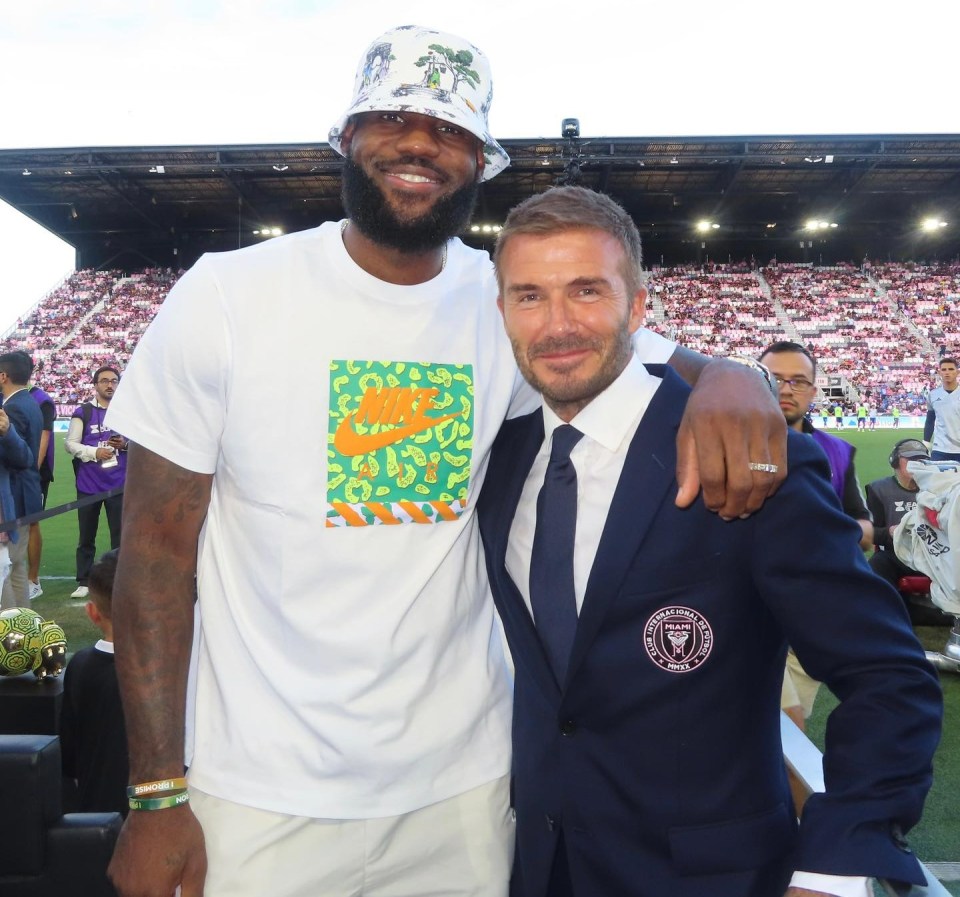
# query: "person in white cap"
x,y
352,702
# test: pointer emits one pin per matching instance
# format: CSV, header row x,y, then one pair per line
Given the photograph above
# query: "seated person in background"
x,y
93,738
889,499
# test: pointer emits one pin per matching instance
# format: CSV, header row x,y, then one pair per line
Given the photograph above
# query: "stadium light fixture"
x,y
26,172
703,226
932,224
280,167
158,169
815,224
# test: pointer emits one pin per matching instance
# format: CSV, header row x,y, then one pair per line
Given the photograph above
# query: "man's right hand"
x,y
158,850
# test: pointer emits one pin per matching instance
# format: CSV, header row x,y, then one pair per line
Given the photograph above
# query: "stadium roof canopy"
x,y
133,207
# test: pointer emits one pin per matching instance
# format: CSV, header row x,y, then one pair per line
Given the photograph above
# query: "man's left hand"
x,y
731,420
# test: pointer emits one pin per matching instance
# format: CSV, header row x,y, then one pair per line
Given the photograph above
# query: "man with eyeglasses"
x,y
100,463
794,369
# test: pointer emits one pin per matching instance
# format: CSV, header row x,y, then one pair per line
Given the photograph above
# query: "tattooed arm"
x,y
164,507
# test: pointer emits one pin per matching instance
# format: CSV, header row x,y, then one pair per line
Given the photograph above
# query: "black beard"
x,y
368,209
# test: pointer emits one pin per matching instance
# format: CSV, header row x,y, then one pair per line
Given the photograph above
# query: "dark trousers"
x,y
88,518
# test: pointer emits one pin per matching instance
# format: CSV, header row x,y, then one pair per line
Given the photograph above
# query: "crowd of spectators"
x,y
717,312
94,318
880,327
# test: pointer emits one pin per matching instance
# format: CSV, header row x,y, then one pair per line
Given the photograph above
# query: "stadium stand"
x,y
881,327
93,318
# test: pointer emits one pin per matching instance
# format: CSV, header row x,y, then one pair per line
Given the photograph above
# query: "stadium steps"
x,y
785,321
896,315
657,312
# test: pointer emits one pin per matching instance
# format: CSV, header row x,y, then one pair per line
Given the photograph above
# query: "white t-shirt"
x,y
348,662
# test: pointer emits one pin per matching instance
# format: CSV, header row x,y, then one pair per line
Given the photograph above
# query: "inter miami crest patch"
x,y
678,639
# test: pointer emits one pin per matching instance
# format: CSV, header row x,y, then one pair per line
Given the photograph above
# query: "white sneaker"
x,y
34,589
80,592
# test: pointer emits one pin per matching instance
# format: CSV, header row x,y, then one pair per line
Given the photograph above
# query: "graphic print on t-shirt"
x,y
400,442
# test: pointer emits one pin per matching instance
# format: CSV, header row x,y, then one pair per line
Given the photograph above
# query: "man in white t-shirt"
x,y
352,706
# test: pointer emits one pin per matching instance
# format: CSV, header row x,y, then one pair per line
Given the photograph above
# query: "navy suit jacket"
x,y
15,455
659,757
26,417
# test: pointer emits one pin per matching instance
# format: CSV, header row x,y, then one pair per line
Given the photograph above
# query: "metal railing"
x,y
805,761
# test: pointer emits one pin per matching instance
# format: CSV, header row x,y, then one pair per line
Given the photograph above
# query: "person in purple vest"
x,y
794,368
100,462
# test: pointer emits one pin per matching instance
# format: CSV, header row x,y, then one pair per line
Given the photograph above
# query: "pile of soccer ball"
x,y
28,643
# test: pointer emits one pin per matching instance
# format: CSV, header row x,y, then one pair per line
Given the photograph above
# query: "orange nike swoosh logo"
x,y
349,442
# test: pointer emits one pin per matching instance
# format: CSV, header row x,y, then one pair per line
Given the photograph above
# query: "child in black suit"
x,y
93,740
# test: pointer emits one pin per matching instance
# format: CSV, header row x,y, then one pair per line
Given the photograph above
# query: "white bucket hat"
x,y
413,69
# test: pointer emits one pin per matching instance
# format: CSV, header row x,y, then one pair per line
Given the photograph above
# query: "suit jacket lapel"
x,y
648,473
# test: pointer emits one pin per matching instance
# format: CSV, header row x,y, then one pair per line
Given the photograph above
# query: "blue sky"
x,y
115,72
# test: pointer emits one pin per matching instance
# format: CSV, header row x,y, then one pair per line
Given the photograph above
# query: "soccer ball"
x,y
19,641
53,650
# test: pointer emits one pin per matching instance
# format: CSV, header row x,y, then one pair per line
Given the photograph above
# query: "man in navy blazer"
x,y
16,368
652,766
14,455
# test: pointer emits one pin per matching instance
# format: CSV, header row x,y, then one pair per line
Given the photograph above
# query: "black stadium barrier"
x,y
9,525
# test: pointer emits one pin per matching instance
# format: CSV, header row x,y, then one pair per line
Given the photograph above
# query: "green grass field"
x,y
936,838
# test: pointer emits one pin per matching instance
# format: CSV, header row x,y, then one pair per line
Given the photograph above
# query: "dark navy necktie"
x,y
552,594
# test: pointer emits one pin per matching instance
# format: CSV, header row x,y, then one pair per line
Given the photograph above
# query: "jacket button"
x,y
568,727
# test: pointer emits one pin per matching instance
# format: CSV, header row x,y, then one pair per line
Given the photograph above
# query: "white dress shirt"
x,y
608,425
